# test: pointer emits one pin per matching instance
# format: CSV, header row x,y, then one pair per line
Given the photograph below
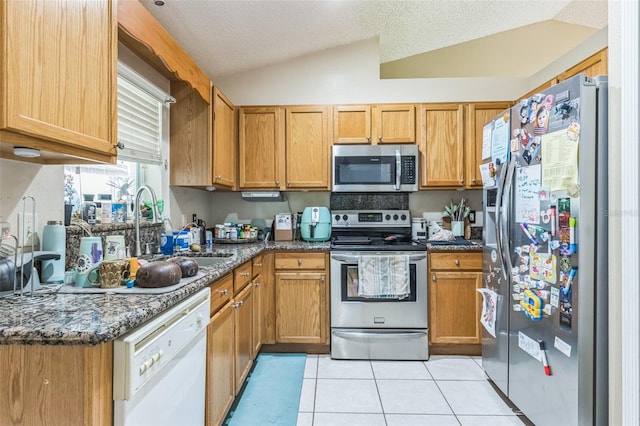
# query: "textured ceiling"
x,y
230,36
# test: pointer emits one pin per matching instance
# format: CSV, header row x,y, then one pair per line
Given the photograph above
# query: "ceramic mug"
x,y
114,247
109,274
89,257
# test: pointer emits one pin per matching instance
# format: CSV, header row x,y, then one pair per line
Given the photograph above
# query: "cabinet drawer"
x,y
241,276
300,261
221,292
455,261
257,265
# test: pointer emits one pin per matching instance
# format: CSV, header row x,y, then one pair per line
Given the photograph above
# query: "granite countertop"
x,y
90,319
476,246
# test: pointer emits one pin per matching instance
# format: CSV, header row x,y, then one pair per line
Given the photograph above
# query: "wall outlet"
x,y
27,224
472,216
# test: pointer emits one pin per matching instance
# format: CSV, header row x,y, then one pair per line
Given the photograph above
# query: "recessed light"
x,y
158,3
21,151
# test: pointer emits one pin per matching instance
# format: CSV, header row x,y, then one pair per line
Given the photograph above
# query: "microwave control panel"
x,y
408,172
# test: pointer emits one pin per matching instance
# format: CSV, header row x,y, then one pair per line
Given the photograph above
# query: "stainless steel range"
x,y
378,287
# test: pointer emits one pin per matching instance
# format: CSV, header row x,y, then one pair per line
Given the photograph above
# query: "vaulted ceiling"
x,y
423,38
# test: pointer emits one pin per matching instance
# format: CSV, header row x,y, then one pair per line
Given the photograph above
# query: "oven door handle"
x,y
378,335
354,259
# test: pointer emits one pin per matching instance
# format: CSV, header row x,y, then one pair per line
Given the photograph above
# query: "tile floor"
x,y
446,390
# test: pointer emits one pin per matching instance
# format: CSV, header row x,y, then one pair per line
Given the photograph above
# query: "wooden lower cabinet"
x,y
243,307
268,300
454,303
256,335
56,385
301,307
220,365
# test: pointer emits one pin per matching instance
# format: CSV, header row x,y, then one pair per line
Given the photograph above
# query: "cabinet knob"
x,y
433,277
236,305
240,303
369,139
277,182
223,292
258,265
462,181
322,278
379,138
256,284
218,177
299,262
288,183
246,274
119,145
473,180
457,262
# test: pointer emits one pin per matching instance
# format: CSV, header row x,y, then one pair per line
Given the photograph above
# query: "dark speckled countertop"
x,y
90,319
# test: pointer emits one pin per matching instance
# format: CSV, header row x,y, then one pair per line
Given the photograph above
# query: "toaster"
x,y
315,224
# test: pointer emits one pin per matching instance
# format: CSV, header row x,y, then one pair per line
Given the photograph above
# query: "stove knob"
x,y
387,217
345,217
395,217
403,217
337,217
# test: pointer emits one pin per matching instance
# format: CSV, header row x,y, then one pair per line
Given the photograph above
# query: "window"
x,y
142,128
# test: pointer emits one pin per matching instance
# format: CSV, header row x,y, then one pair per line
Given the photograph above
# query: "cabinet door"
x,y
594,65
477,115
301,307
220,362
454,307
261,136
307,147
268,300
442,145
224,141
190,137
59,76
352,124
243,329
256,335
394,123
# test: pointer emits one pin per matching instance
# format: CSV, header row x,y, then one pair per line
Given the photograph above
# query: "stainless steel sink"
x,y
212,259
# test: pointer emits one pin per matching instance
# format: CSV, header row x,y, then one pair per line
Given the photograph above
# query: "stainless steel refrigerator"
x,y
545,256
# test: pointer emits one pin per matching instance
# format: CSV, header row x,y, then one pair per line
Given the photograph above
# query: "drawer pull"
x,y
246,274
299,262
457,262
433,277
223,292
258,265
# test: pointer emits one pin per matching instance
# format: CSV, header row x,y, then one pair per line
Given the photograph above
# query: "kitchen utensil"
x,y
90,256
188,266
54,236
158,274
109,274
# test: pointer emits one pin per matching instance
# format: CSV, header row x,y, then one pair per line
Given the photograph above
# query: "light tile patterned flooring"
x,y
446,390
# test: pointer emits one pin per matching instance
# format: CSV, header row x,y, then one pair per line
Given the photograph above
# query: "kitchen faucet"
x,y
136,214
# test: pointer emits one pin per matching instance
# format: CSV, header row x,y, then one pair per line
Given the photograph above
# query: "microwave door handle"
x,y
398,169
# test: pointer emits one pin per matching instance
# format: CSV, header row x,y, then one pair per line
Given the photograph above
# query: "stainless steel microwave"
x,y
375,168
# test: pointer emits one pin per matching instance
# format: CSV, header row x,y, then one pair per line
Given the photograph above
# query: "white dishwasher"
x,y
159,368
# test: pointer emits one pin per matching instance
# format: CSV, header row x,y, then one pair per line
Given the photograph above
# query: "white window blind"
x,y
140,106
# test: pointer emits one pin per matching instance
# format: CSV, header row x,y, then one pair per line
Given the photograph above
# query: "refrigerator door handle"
x,y
506,201
498,228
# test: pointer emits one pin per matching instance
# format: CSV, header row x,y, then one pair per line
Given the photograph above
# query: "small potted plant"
x,y
457,213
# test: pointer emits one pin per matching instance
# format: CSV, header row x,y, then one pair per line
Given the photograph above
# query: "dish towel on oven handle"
x,y
383,277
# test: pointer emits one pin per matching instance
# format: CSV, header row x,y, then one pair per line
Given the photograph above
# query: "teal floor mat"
x,y
271,394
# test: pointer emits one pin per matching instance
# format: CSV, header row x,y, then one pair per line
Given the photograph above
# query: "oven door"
x,y
350,311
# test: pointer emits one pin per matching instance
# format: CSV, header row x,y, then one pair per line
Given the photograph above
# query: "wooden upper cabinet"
x,y
224,141
394,123
441,145
307,144
58,79
374,124
352,124
594,65
190,137
477,115
142,33
261,147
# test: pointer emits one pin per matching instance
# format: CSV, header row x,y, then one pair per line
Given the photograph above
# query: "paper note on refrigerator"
x,y
488,316
500,140
486,140
560,161
527,192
